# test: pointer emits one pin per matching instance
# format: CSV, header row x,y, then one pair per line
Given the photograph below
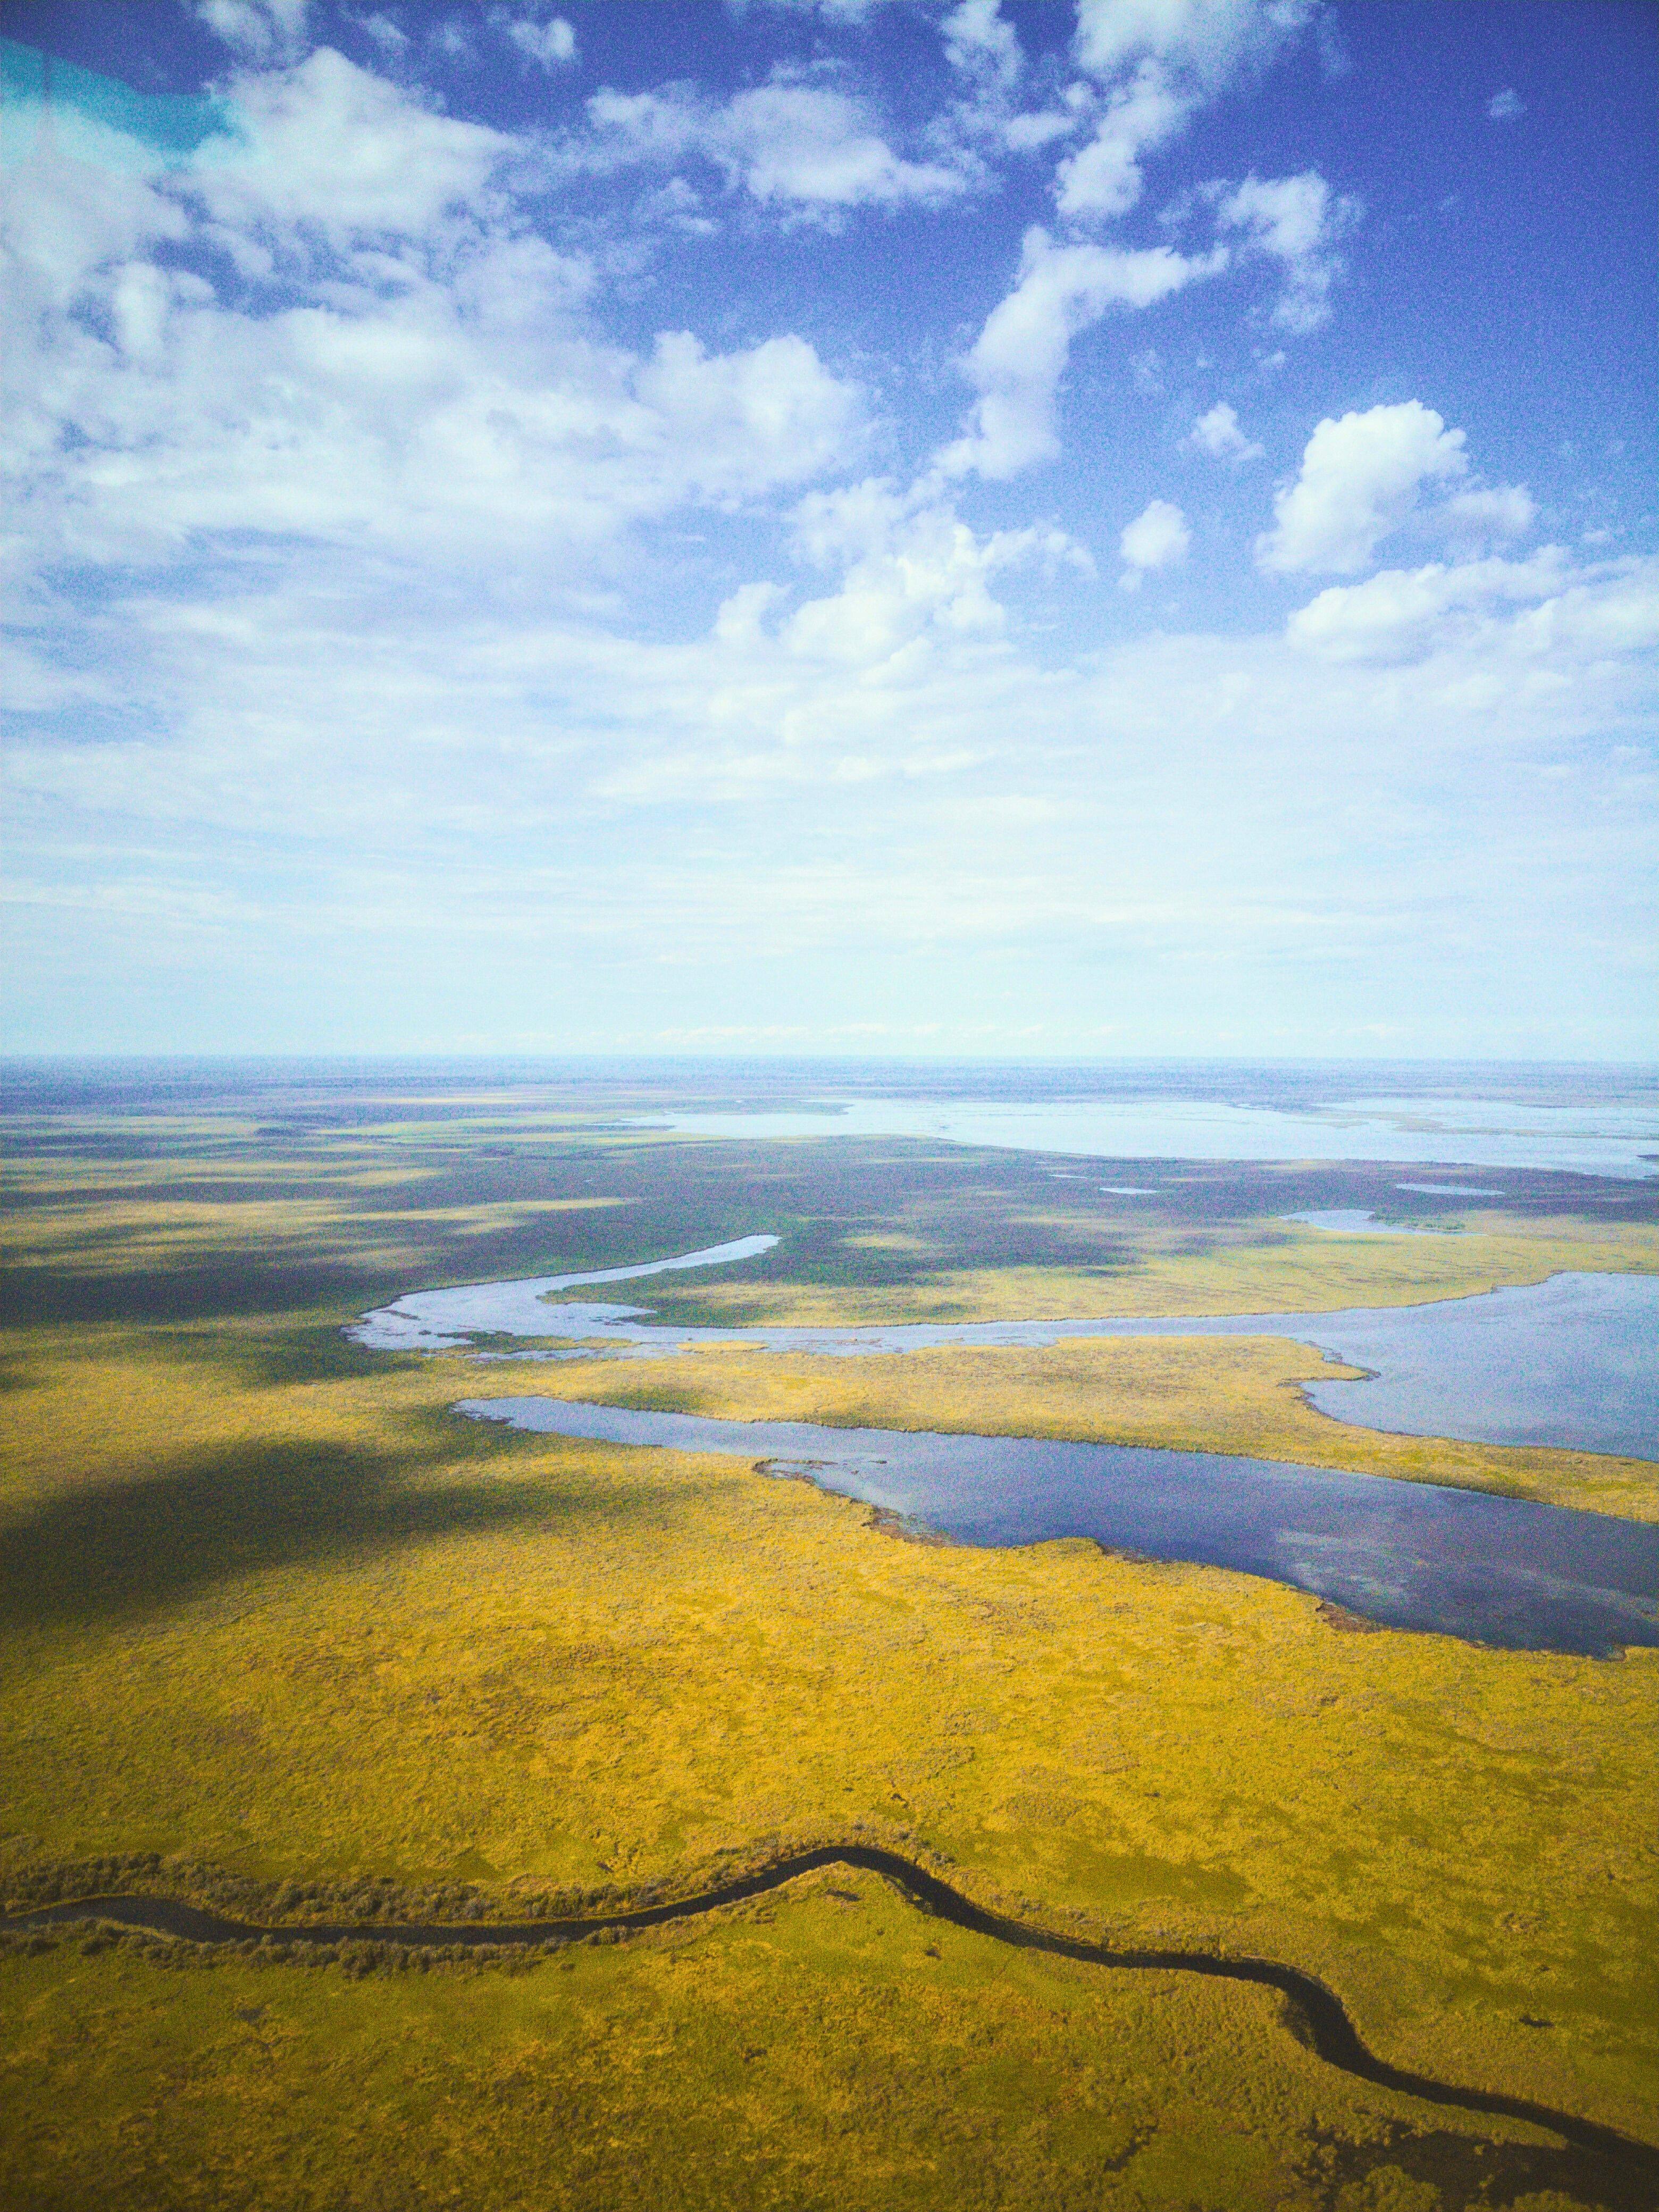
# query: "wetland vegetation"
x,y
283,1635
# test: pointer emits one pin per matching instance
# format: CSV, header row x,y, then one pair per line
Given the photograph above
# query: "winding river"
x,y
1571,1363
1505,1569
1318,2012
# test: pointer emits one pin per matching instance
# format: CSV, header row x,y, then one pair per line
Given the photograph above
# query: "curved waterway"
x,y
1498,1570
1572,1362
1320,2014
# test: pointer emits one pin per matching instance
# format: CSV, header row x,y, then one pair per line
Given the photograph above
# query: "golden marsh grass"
x,y
270,1608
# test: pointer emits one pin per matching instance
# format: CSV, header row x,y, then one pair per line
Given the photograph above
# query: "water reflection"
x,y
1492,1570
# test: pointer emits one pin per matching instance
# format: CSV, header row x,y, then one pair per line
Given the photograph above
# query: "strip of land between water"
x,y
1567,1362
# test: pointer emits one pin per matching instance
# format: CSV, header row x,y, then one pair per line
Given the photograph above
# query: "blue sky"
x,y
869,526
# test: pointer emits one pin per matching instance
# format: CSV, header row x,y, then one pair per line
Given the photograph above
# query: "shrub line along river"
x,y
1320,2012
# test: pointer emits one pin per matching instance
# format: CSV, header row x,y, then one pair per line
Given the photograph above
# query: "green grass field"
x,y
275,1615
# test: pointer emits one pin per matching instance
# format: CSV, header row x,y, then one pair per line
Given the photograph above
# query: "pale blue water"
x,y
1611,1137
1573,1362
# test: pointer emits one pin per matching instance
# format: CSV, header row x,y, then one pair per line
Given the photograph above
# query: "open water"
x,y
1572,1362
1492,1570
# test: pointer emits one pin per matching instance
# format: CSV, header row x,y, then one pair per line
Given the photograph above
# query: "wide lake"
x,y
1615,1137
1493,1570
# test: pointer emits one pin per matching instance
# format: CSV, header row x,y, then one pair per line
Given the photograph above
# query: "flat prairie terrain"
x,y
282,1633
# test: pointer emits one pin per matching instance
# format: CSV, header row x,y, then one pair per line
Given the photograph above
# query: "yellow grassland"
x,y
274,1611
828,2049
372,1639
1291,1269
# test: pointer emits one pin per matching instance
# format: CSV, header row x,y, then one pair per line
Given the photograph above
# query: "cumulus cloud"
x,y
422,376
338,154
1203,41
912,570
1218,435
549,40
1158,539
367,471
1506,106
1362,479
1359,481
260,31
1019,357
1104,178
781,143
598,811
1163,60
1530,611
981,42
1296,221
1156,62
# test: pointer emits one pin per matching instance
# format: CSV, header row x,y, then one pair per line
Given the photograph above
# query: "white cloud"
x,y
420,424
1359,482
454,40
1164,59
389,37
1019,356
913,570
1402,615
789,142
1296,221
1158,539
1029,134
261,31
1207,41
1104,178
980,41
1478,518
548,40
1218,435
433,382
383,606
1161,60
338,152
1506,106
601,813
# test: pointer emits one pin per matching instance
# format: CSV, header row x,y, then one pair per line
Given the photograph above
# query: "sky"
x,y
831,526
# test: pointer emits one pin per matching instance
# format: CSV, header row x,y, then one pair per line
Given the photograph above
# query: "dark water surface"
x,y
1496,1570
